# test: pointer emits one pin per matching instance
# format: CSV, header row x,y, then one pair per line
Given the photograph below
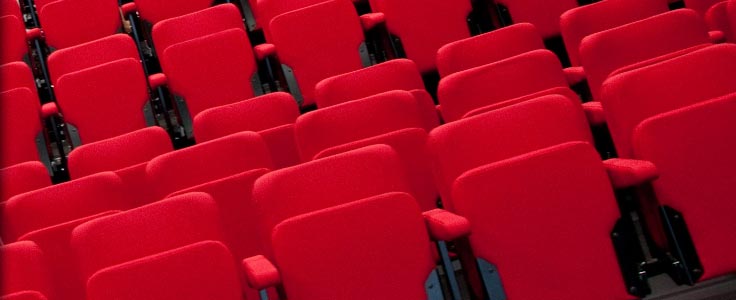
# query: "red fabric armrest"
x,y
260,272
446,226
625,173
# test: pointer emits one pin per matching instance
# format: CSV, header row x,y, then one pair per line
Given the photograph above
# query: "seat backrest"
x,y
327,182
72,22
154,11
396,74
10,8
206,162
701,6
203,270
21,178
63,202
487,48
256,114
355,120
631,97
424,26
91,54
580,22
503,133
24,295
16,75
66,282
604,52
22,135
317,42
196,24
23,268
507,79
544,14
119,152
691,150
538,199
144,231
13,33
267,10
211,70
363,236
105,101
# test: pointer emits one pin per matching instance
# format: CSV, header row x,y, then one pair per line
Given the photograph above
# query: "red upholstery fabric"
x,y
237,214
318,42
21,123
562,91
701,6
206,162
319,251
144,231
526,214
15,75
327,182
196,24
632,97
626,173
544,14
91,54
580,22
72,22
202,270
23,268
13,33
424,26
355,120
119,152
154,11
24,295
61,203
445,226
608,50
507,79
260,272
104,101
488,48
506,132
410,145
396,74
200,71
65,279
697,179
256,114
718,18
267,10
10,8
21,178
282,145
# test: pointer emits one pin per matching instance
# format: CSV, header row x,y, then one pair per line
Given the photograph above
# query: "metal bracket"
x,y
433,287
491,279
449,269
630,257
292,84
365,56
186,117
74,135
43,152
687,268
148,114
255,81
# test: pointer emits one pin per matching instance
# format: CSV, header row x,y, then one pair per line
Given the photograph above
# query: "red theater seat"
x,y
526,214
24,295
267,10
544,14
16,75
91,54
23,268
154,11
67,23
23,136
271,115
203,270
511,78
13,33
583,21
10,8
503,133
21,178
424,26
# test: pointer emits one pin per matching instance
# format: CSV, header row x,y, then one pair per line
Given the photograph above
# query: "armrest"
x,y
264,51
574,75
371,20
157,80
626,173
128,8
594,113
260,272
717,36
49,110
446,226
34,34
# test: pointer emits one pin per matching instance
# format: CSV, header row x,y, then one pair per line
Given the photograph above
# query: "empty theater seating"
x,y
382,221
21,178
534,72
557,188
23,269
